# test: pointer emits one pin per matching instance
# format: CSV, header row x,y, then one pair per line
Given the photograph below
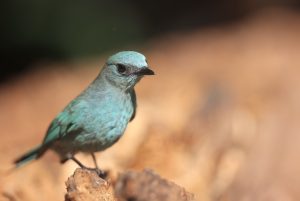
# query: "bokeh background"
x,y
220,118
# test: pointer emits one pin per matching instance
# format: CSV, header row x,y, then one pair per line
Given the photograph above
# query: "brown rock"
x,y
146,185
86,185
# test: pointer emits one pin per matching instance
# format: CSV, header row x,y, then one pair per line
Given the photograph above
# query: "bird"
x,y
98,116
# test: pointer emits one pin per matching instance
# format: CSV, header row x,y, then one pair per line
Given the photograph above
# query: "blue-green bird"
x,y
98,117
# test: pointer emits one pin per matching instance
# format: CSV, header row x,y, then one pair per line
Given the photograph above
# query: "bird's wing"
x,y
133,100
67,122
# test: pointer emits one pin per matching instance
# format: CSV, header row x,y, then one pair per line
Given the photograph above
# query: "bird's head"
x,y
124,69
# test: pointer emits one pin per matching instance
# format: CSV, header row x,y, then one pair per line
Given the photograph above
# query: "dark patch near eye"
x,y
121,68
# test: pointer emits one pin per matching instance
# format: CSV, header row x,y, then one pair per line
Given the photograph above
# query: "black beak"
x,y
144,71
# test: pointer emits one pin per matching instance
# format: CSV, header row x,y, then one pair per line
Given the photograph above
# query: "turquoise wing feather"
x,y
68,121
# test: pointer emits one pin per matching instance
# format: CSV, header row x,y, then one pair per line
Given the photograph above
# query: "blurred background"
x,y
220,117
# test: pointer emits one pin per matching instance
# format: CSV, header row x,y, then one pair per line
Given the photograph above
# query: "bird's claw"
x,y
102,174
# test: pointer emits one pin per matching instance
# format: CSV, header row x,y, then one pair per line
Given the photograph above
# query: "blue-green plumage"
x,y
98,117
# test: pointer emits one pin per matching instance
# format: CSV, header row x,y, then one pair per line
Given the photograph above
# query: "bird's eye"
x,y
121,68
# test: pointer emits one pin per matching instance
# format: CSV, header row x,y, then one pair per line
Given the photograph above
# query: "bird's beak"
x,y
144,71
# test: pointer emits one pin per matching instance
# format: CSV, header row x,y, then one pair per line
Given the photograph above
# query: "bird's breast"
x,y
105,121
112,119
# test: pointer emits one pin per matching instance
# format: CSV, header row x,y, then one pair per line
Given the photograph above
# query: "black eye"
x,y
121,68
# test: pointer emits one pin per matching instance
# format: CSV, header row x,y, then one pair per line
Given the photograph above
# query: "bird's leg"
x,y
102,174
78,162
95,161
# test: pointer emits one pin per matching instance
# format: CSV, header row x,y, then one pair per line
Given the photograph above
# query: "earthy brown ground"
x,y
220,118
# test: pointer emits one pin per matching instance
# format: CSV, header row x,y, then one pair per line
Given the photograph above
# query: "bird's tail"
x,y
29,156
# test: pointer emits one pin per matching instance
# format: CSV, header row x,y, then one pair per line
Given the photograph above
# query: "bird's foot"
x,y
102,174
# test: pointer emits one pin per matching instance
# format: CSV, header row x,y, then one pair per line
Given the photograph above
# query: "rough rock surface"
x,y
86,185
146,185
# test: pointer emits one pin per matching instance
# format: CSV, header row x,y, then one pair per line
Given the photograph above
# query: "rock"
x,y
146,185
86,185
